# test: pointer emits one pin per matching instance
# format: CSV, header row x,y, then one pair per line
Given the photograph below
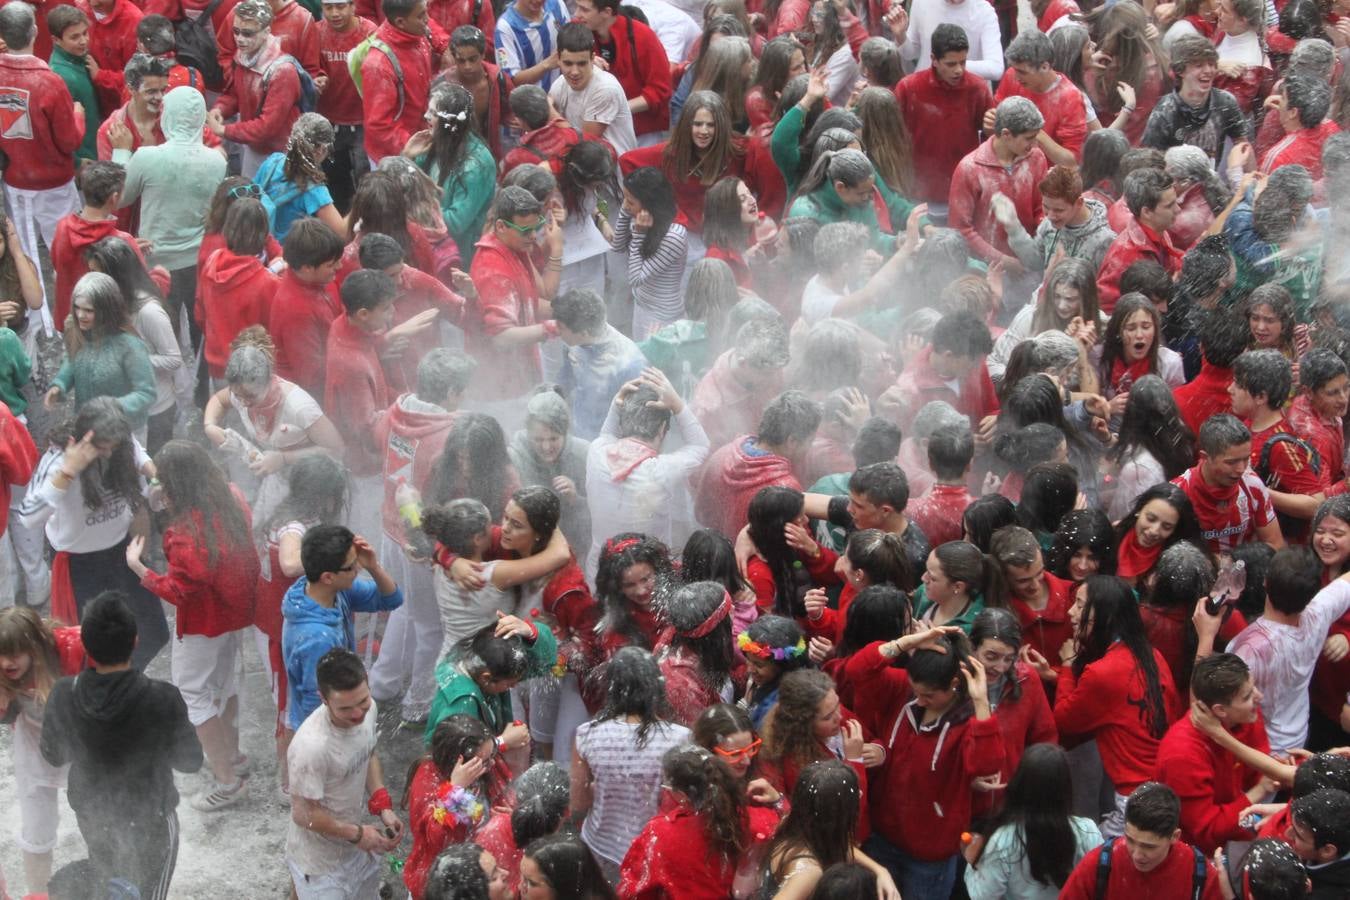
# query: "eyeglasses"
x,y
245,32
750,751
524,230
246,190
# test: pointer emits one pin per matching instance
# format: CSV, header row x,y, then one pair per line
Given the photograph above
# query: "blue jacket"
x,y
311,630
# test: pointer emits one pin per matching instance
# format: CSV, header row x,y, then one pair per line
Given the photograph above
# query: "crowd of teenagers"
x,y
759,448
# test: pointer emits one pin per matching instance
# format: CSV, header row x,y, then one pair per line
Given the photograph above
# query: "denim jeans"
x,y
914,877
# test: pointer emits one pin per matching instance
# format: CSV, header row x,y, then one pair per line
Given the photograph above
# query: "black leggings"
x,y
106,570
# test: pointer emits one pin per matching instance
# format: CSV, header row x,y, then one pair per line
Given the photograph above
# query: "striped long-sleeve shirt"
x,y
655,280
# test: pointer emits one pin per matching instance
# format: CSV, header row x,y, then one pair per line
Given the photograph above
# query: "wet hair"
x,y
1144,188
1270,869
878,440
1148,277
831,359
199,498
1325,813
116,258
845,881
117,476
316,490
883,484
1186,162
999,624
654,193
456,738
948,38
634,687
444,372
457,523
1281,203
1083,529
850,168
311,243
1077,274
712,793
457,873
880,612
639,418
879,59
1293,578
155,33
1216,679
964,562
1223,337
1152,423
1111,614
789,728
473,463
1061,183
18,25
708,556
1048,494
880,556
687,609
1032,400
1039,810
1222,431
1191,50
323,549
984,517
569,868
617,555
588,166
99,180
940,670
1264,372
840,245
770,510
1281,304
310,134
761,342
254,11
1188,526
1317,368
1322,770
1017,115
1154,807
339,670
1113,340
500,658
1031,47
141,66
581,310
791,416
107,628
779,633
246,228
822,821
962,334
530,104
718,722
1102,151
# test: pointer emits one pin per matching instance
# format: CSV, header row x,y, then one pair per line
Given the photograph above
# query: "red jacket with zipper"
x,y
388,129
298,321
265,120
74,236
39,130
921,795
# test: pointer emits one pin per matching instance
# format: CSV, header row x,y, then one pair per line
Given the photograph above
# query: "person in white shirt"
x,y
1283,645
913,31
591,100
335,776
1241,23
630,484
675,29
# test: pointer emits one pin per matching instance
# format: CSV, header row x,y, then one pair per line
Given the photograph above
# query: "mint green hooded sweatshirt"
x,y
174,182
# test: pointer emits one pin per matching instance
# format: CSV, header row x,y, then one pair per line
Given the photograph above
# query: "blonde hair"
x,y
22,631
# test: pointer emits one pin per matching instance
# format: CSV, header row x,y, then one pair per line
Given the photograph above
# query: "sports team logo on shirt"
x,y
15,122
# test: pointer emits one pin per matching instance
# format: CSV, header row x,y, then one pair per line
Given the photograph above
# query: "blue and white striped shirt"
x,y
522,44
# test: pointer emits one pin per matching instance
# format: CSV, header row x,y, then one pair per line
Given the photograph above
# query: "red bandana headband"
x,y
618,546
714,618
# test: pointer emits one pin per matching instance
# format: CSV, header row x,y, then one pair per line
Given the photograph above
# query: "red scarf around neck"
x,y
1132,560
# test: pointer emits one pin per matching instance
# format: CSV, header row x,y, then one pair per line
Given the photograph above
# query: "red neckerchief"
x,y
1207,29
1135,370
625,455
263,414
1133,560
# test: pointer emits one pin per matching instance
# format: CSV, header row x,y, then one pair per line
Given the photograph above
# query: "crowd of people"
x,y
760,448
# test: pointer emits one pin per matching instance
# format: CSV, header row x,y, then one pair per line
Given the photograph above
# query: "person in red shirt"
x,y
1152,201
548,135
1030,74
938,512
734,474
112,41
101,184
292,25
39,134
943,107
264,89
506,316
1303,106
633,54
1214,788
339,102
956,353
1112,686
1317,411
211,580
1041,600
235,289
1262,380
939,733
1231,502
1008,163
355,389
1151,860
490,86
395,100
305,303
1223,338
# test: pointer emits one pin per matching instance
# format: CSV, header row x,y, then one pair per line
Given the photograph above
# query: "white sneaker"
x,y
221,796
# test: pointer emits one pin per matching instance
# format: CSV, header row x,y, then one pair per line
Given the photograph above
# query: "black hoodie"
x,y
1332,881
123,734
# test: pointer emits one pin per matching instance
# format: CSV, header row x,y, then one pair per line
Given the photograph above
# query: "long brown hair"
x,y
682,159
1118,30
789,729
199,497
23,631
1078,274
722,71
112,315
1113,347
712,792
885,139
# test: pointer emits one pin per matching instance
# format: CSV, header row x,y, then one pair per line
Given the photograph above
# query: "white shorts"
x,y
357,877
205,671
39,816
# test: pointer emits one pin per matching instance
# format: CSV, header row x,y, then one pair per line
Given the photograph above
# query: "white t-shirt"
x,y
464,612
818,300
1243,48
71,526
328,766
1281,659
601,100
627,781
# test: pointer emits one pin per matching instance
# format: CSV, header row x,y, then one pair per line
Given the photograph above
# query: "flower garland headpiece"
x,y
765,651
454,805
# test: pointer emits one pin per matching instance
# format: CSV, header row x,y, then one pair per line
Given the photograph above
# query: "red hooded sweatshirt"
x,y
417,293
74,236
213,596
977,178
1107,703
673,858
388,128
355,393
945,123
39,130
731,477
18,457
1175,877
295,30
543,146
265,119
1209,781
508,297
642,67
921,796
412,433
233,293
1023,721
298,321
112,41
1136,242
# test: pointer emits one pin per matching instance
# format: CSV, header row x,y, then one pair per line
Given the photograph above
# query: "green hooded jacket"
x,y
457,693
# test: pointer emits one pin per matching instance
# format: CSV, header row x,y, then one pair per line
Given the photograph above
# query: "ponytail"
x,y
981,573
881,557
712,793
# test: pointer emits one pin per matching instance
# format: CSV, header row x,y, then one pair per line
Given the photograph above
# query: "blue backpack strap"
x,y
1104,868
1200,875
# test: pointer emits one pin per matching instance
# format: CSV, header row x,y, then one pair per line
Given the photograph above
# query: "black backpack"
x,y
1198,875
1285,437
195,41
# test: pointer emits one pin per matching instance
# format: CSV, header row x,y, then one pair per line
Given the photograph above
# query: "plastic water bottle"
x,y
1228,587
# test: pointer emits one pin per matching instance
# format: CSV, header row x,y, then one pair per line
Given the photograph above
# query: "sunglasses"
x,y
525,230
750,751
245,32
245,190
